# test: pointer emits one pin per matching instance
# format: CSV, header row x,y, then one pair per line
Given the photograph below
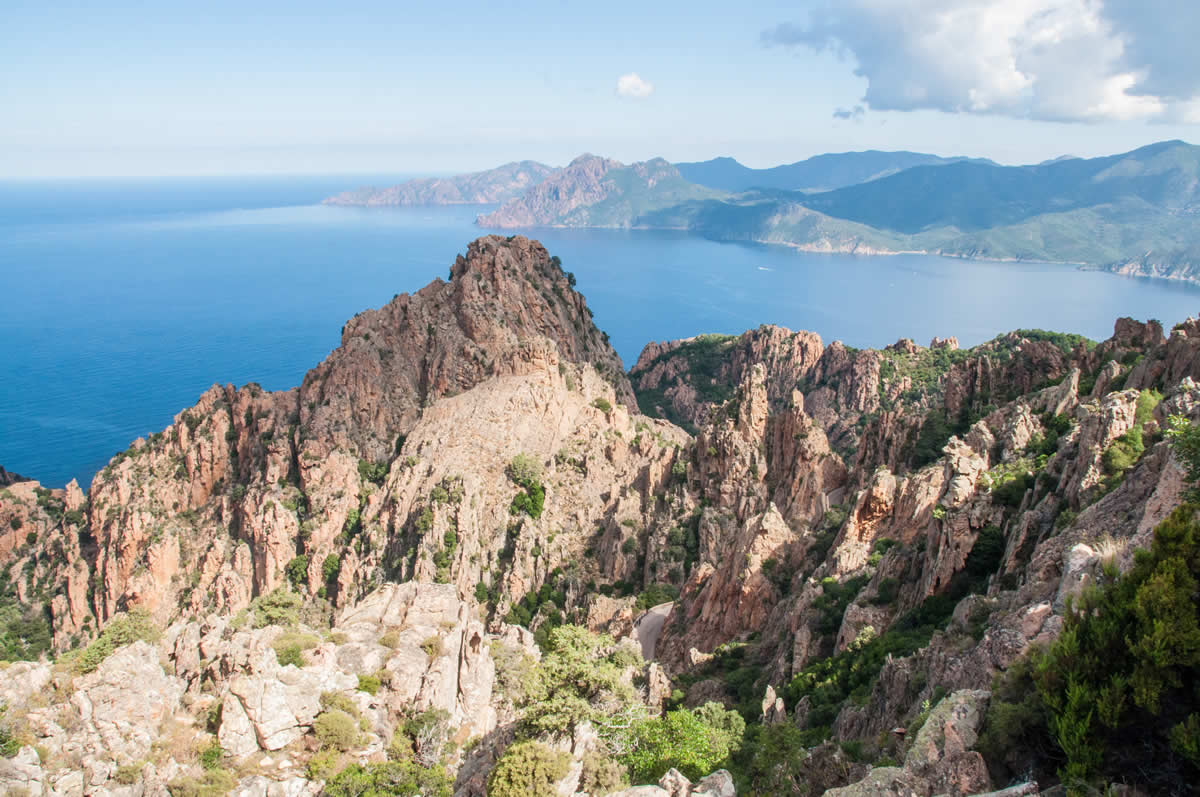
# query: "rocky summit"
x,y
471,555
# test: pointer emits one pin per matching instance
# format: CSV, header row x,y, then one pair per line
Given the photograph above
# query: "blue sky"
x,y
121,88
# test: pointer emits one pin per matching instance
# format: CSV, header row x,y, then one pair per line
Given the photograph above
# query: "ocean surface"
x,y
122,300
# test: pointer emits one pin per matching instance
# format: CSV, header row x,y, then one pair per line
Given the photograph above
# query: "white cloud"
x,y
1064,60
632,85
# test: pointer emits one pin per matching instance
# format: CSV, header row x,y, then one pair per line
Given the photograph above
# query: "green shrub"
x,y
655,594
297,572
835,597
122,629
390,639
603,404
9,744
1127,449
524,468
336,701
374,472
24,631
528,769
323,765
514,667
531,501
128,774
771,759
289,654
213,756
291,644
433,646
336,730
602,774
1118,683
280,607
330,568
886,592
694,742
390,779
369,684
1011,491
214,783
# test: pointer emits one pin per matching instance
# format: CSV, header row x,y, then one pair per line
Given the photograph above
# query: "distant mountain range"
x,y
819,173
1135,213
478,188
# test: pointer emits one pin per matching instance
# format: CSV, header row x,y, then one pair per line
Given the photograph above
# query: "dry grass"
x,y
178,740
1111,549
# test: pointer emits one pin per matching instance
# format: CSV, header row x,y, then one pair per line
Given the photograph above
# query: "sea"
x,y
121,301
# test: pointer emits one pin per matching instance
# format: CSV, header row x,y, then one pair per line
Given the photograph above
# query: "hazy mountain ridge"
x,y
818,173
1136,213
477,188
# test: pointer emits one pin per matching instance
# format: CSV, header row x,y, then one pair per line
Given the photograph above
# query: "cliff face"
x,y
478,188
470,459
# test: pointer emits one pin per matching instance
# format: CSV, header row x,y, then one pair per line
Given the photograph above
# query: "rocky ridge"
x,y
823,499
597,192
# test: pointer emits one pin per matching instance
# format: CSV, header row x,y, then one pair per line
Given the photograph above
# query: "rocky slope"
x,y
478,188
598,192
831,540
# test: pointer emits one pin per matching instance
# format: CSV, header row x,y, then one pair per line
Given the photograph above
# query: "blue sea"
x,y
123,300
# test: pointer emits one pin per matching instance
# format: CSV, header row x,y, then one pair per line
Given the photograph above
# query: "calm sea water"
x,y
122,301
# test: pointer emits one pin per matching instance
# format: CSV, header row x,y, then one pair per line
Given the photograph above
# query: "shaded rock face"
x,y
8,477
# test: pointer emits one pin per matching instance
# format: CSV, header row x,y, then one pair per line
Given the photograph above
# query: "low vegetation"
x,y
526,473
528,769
1114,698
122,629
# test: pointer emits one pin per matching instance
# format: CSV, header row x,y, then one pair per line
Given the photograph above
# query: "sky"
x,y
173,88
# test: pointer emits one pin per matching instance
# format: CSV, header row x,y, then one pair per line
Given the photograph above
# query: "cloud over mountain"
x,y
1062,60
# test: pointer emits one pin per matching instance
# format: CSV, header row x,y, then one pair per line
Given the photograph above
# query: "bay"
x,y
122,300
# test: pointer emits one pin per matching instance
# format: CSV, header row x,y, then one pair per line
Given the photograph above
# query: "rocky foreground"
x,y
470,554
